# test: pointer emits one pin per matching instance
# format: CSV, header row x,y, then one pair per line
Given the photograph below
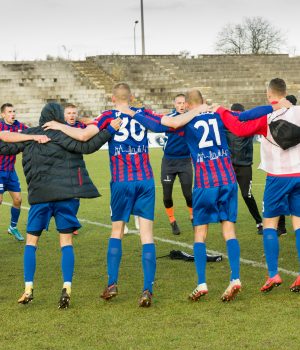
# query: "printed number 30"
x,y
125,132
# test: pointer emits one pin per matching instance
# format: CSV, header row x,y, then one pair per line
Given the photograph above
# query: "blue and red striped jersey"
x,y
206,138
78,125
7,163
175,146
128,148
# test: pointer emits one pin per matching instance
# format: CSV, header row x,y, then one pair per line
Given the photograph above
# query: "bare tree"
x,y
254,35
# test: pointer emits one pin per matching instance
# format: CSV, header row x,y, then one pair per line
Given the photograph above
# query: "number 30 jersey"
x,y
128,148
206,138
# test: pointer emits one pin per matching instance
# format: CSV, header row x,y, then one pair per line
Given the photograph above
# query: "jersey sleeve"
x,y
255,113
152,121
243,129
103,121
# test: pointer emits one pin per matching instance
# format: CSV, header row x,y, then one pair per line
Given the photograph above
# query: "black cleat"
x,y
110,292
145,299
281,231
175,228
64,301
259,229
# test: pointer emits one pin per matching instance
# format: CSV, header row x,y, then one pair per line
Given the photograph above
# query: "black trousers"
x,y
244,179
170,168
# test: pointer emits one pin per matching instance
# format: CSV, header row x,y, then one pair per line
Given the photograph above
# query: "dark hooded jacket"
x,y
56,170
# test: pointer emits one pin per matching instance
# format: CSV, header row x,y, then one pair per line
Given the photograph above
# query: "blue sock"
x,y
15,214
149,265
29,263
200,261
114,255
271,247
233,251
67,262
297,232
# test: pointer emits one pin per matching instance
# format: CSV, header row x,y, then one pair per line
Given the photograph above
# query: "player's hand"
x,y
41,138
125,110
116,123
283,103
53,125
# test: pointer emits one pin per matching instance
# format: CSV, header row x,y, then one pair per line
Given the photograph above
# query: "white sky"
x,y
31,29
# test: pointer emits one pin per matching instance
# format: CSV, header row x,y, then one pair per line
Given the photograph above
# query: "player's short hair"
x,y
278,86
5,105
179,95
292,99
237,107
70,105
194,96
121,91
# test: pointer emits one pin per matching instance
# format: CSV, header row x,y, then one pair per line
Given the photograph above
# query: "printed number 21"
x,y
204,142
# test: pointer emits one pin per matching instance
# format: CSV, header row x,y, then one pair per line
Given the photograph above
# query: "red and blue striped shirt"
x,y
128,148
7,163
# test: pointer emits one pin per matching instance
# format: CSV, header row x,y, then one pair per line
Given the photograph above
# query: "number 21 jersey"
x,y
206,138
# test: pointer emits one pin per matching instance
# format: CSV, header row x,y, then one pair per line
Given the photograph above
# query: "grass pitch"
x,y
252,321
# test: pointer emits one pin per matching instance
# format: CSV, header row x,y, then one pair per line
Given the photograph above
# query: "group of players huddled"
x,y
197,135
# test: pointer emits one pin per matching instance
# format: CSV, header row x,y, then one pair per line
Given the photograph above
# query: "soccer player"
x,y
176,161
282,191
132,187
215,188
71,116
56,178
9,180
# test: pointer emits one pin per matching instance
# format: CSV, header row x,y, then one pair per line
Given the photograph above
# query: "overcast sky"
x,y
31,29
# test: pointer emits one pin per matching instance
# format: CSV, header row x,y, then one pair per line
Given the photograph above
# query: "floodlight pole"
x,y
142,27
134,40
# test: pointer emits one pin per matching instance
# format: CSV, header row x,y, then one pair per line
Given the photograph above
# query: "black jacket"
x,y
56,170
241,149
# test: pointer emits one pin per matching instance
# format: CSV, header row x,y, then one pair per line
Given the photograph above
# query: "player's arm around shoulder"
x,y
182,119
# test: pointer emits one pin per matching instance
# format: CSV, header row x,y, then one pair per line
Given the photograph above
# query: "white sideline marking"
x,y
183,245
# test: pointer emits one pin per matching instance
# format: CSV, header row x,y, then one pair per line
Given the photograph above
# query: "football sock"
x,y
233,251
67,263
191,212
149,265
200,261
297,232
170,213
15,214
68,286
114,254
271,248
29,263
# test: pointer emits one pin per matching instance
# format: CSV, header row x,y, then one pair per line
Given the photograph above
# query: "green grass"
x,y
253,321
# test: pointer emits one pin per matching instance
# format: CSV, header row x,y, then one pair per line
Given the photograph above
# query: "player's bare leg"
x,y
233,250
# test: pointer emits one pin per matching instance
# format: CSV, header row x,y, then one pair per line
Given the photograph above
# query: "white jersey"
x,y
275,160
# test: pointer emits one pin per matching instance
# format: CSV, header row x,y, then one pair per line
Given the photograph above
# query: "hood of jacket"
x,y
52,111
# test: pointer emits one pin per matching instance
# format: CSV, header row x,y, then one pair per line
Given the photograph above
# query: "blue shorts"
x,y
132,197
64,213
281,197
9,181
211,205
